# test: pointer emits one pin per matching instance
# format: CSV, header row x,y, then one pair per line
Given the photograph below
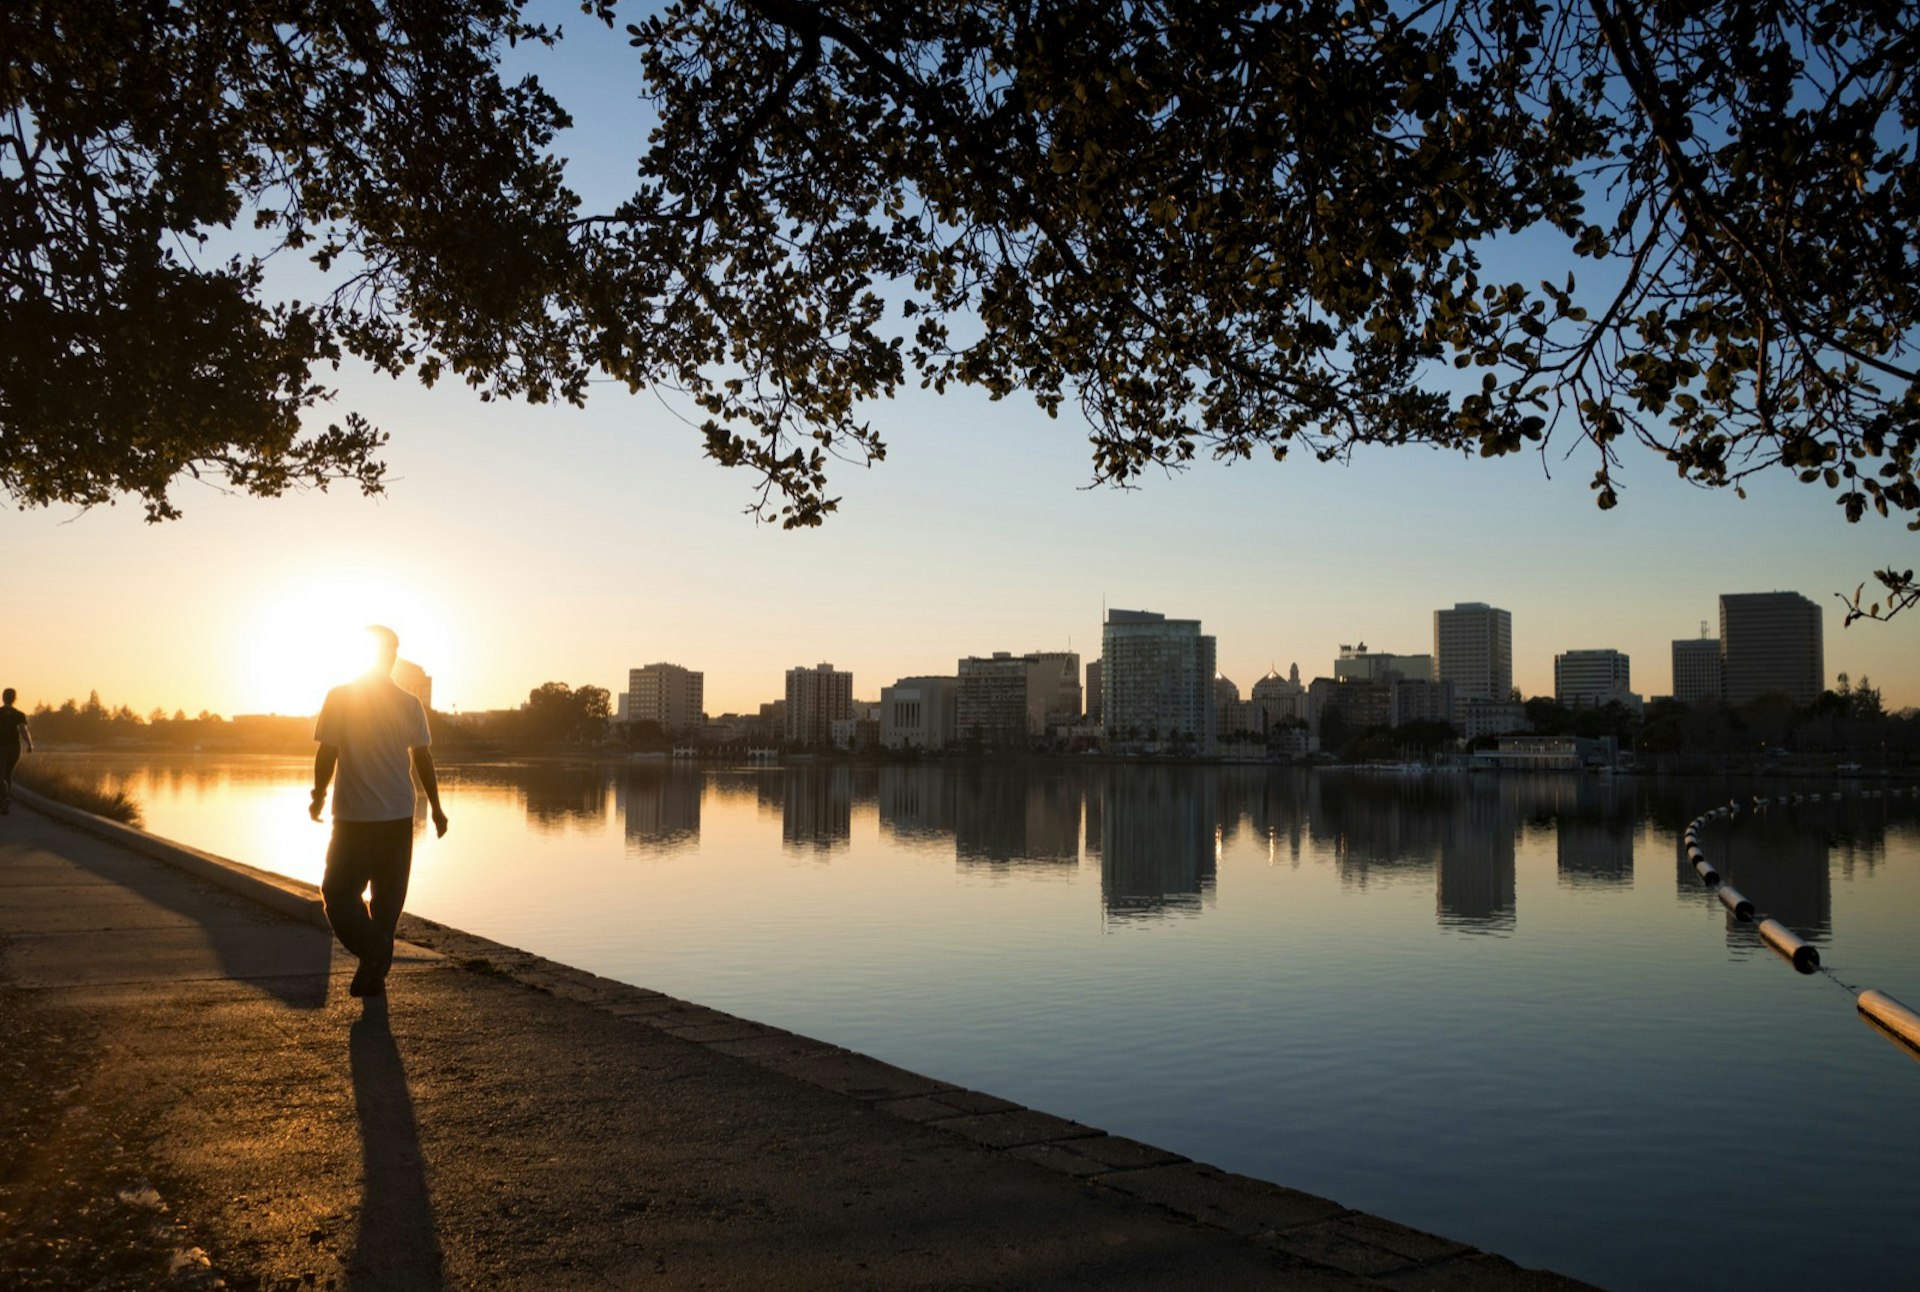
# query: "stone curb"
x,y
1306,1231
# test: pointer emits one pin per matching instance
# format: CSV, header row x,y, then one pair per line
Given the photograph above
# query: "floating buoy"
x,y
1730,898
1890,1016
1789,946
1708,875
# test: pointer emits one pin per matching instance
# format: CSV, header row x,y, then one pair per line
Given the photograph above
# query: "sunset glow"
x,y
309,639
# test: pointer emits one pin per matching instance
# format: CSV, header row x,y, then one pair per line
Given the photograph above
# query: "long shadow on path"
x,y
397,1245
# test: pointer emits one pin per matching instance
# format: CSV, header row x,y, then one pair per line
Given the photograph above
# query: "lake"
x,y
1502,1008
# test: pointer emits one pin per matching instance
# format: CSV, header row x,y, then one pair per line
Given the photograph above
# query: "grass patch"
x,y
62,787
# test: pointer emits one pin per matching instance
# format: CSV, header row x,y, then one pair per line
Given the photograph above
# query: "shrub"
x,y
64,787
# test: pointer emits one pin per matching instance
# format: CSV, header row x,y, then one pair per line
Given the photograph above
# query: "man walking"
x,y
370,731
13,734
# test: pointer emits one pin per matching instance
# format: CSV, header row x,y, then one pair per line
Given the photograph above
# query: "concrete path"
x,y
501,1121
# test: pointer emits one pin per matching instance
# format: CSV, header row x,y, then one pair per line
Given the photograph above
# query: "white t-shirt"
x,y
375,726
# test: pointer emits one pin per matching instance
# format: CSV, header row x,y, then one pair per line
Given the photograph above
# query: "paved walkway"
x,y
501,1121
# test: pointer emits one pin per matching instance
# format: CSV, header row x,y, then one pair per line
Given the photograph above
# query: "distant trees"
x,y
558,714
95,725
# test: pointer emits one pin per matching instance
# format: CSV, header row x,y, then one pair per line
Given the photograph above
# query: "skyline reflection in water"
x,y
1500,1008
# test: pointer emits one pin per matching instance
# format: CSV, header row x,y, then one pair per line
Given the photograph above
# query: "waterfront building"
x,y
1771,641
1362,665
1279,699
1228,713
860,731
1477,717
414,680
1549,753
1157,678
919,713
1421,699
816,698
1696,669
1005,700
1057,680
1592,679
1473,649
1093,693
1359,703
668,695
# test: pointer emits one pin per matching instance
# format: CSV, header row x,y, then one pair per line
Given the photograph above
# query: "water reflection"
x,y
816,808
1006,816
1474,889
1782,868
1157,842
916,803
1156,833
1594,837
659,811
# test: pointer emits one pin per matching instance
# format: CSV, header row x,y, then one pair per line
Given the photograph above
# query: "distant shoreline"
x,y
1799,767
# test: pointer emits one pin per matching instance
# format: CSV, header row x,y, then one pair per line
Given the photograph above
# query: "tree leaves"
x,y
1212,227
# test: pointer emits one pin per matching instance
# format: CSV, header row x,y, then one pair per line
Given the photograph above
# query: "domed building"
x,y
1280,698
1226,705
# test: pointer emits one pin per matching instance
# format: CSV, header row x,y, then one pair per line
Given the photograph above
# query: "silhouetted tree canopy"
x,y
556,712
1219,229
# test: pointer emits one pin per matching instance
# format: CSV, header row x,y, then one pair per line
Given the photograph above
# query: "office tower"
x,y
1094,696
1696,669
816,699
413,679
1007,699
993,706
1157,675
1591,678
672,697
1770,641
1473,649
1058,683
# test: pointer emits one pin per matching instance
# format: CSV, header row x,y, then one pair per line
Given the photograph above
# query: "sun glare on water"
x,y
312,638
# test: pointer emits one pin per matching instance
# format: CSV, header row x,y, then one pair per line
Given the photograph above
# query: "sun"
x,y
313,637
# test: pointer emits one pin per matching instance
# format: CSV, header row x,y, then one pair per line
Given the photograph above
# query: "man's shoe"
x,y
365,981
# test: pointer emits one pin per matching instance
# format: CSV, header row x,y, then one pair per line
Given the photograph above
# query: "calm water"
x,y
1502,1009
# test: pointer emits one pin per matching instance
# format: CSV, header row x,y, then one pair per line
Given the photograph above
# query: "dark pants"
x,y
362,856
9,757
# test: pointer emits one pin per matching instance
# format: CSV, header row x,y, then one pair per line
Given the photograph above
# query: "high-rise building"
x,y
1473,649
995,708
413,679
1094,696
1592,679
1771,641
1157,675
1007,699
1696,669
816,699
1058,680
668,695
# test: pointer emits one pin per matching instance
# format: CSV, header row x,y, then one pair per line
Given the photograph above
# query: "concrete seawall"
x,y
557,1128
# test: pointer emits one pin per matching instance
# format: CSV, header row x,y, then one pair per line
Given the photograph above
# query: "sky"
x,y
518,545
